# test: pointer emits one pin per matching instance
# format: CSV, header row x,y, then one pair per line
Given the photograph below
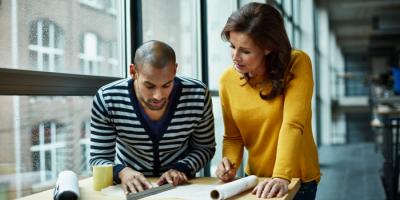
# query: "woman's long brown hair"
x,y
264,24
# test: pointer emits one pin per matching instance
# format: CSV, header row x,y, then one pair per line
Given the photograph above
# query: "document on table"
x,y
190,191
196,191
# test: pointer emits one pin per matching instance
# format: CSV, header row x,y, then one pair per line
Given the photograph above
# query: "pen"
x,y
227,171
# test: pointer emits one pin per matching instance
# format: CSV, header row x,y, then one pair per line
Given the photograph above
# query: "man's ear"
x,y
132,70
176,67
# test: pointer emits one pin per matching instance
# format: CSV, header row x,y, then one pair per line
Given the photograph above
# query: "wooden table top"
x,y
87,192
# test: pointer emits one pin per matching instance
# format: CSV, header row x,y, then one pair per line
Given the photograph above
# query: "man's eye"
x,y
166,86
149,87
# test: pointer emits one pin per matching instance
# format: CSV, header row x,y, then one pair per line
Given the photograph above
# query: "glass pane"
x,y
52,30
243,2
175,22
46,135
287,6
33,58
297,39
46,61
44,36
296,11
219,130
289,29
219,52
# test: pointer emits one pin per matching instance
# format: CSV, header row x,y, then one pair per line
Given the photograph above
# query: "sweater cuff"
x,y
182,167
116,170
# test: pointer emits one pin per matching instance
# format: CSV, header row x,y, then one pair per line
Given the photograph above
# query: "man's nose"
x,y
157,94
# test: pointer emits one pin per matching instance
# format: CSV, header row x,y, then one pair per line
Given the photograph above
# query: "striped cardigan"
x,y
120,136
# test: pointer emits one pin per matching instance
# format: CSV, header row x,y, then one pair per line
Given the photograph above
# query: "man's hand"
x,y
173,177
226,171
133,181
276,187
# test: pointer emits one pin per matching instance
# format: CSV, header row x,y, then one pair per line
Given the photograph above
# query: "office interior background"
x,y
54,55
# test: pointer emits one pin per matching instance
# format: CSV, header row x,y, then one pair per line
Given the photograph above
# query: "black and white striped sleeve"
x,y
102,133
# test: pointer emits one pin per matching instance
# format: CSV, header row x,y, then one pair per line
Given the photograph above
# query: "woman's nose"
x,y
235,56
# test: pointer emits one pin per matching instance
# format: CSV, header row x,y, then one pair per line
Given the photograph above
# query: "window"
x,y
45,95
84,143
46,46
111,6
112,60
289,29
176,23
358,129
51,139
287,7
296,21
356,73
219,52
89,57
52,36
219,58
48,149
97,4
243,2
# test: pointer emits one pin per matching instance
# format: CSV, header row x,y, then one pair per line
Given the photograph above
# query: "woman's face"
x,y
246,55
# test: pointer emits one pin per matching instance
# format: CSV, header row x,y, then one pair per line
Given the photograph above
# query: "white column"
x,y
16,104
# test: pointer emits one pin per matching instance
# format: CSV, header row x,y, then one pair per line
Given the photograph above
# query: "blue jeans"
x,y
307,191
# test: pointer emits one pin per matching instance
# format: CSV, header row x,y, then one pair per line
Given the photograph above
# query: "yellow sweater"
x,y
277,133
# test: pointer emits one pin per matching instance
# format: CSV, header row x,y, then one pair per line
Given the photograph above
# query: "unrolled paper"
x,y
235,187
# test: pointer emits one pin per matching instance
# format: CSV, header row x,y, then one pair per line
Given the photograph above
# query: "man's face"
x,y
153,86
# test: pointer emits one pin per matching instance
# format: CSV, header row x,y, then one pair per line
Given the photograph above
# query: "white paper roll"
x,y
67,186
233,188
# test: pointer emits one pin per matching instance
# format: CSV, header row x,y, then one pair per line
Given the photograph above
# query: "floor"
x,y
350,171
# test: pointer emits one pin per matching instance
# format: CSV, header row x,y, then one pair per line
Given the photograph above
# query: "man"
x,y
155,123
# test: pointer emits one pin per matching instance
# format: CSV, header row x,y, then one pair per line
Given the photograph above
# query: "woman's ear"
x,y
266,52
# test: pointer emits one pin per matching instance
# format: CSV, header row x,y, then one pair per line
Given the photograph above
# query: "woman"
x,y
266,101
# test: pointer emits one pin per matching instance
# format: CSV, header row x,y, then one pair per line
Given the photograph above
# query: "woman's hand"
x,y
226,171
275,187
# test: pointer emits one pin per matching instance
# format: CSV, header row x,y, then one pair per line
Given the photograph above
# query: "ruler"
x,y
149,192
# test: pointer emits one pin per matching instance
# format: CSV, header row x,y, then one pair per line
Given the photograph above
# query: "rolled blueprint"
x,y
67,187
233,188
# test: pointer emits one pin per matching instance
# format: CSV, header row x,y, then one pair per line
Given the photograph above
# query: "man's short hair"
x,y
156,53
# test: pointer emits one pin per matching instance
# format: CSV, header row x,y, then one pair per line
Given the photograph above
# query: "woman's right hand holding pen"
x,y
226,170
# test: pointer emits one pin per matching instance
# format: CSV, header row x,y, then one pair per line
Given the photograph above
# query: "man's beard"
x,y
151,106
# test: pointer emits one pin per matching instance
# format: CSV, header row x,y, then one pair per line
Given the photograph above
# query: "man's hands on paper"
x,y
133,181
275,187
173,177
226,171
